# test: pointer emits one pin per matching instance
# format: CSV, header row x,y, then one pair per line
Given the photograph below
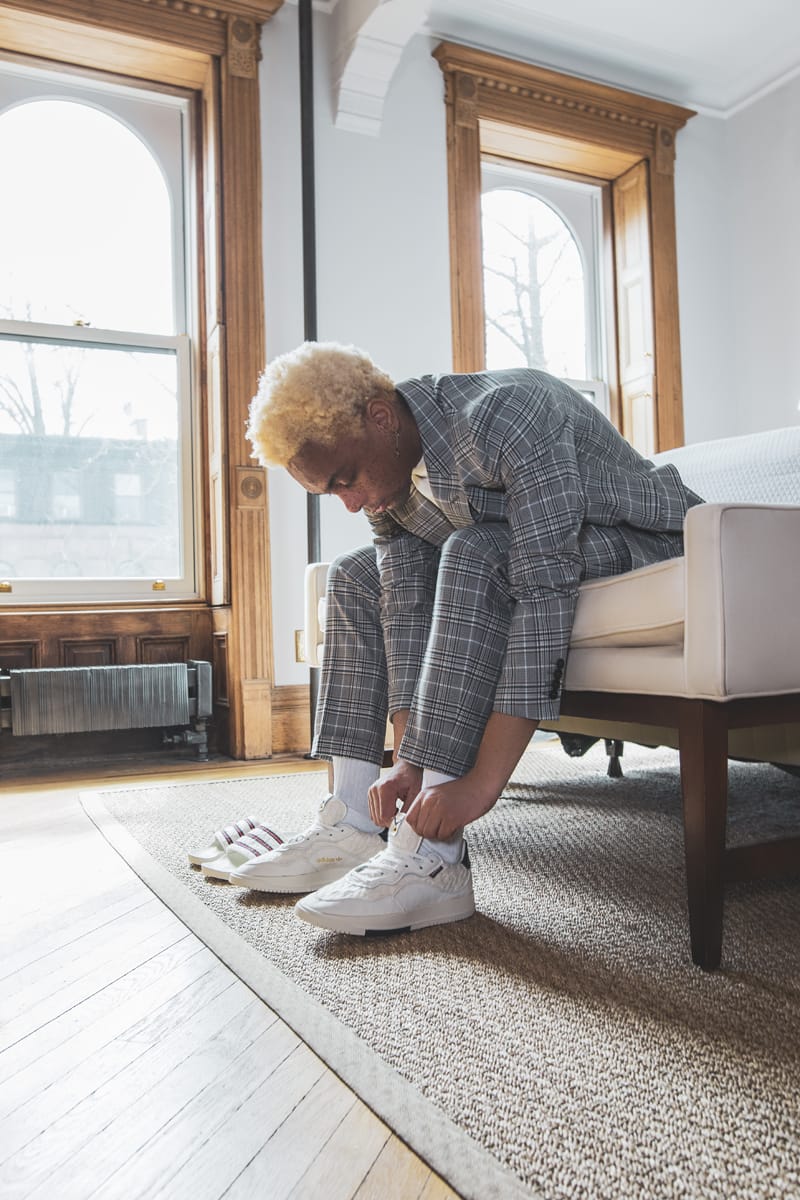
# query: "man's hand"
x,y
401,783
438,811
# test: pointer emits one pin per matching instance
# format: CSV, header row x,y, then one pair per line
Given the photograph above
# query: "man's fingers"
x,y
382,802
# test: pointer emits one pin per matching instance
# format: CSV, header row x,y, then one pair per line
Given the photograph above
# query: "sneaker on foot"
x,y
400,889
322,853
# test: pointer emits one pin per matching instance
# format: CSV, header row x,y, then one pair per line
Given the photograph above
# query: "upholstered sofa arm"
x,y
314,584
742,615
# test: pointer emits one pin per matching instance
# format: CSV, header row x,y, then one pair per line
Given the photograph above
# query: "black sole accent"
x,y
377,933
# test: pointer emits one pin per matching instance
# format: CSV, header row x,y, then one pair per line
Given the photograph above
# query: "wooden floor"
x,y
133,1063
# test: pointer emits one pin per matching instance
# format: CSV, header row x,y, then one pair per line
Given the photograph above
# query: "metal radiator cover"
x,y
81,699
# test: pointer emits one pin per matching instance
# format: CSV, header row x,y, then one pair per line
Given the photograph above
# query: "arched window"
x,y
86,231
541,276
95,338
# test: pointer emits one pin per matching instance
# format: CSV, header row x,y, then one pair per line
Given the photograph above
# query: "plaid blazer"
x,y
522,448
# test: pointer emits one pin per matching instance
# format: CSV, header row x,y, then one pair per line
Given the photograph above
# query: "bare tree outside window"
x,y
95,435
534,294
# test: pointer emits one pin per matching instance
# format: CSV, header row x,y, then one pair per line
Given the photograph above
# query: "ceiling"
x,y
713,55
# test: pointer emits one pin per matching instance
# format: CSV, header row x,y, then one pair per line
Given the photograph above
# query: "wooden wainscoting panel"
x,y
88,653
105,637
162,649
291,719
220,677
219,664
20,656
255,725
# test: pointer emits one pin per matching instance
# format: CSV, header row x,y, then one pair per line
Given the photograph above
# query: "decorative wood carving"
x,y
252,487
183,23
664,156
243,47
249,624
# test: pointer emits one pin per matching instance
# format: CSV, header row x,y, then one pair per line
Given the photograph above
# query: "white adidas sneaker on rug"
x,y
398,890
217,843
321,854
261,840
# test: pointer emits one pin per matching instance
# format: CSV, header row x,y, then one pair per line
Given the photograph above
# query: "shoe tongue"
x,y
402,836
332,811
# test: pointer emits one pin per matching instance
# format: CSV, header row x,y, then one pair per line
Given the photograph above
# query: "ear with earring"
x,y
397,443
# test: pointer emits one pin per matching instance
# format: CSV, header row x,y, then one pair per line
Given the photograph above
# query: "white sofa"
x,y
700,652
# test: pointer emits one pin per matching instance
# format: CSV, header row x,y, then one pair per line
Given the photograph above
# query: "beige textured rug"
x,y
559,1043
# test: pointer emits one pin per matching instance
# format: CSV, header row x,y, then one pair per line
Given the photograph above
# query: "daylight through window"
x,y
541,276
96,420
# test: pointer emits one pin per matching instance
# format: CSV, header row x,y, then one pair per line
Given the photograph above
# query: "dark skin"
x,y
371,468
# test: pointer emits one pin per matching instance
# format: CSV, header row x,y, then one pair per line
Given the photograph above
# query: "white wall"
x,y
383,261
737,200
704,285
763,153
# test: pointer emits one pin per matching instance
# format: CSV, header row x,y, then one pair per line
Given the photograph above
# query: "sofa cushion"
x,y
640,608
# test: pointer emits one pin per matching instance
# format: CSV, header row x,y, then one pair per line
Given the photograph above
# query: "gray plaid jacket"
x,y
521,448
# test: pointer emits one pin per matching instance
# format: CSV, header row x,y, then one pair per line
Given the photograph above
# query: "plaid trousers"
x,y
446,661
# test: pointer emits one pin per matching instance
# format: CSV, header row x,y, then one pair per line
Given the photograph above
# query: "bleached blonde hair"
x,y
316,393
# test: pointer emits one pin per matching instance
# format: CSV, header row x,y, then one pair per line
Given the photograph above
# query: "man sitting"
x,y
491,497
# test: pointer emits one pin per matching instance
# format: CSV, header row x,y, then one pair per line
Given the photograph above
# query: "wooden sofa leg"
x,y
703,740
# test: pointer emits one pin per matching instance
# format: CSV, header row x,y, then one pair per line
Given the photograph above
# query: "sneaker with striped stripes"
x,y
259,842
222,840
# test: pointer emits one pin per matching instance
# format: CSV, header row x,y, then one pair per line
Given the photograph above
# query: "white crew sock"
x,y
352,779
450,850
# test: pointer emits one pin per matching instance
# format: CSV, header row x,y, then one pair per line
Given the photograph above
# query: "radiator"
x,y
83,699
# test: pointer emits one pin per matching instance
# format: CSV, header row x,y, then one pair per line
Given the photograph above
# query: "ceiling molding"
x,y
674,52
371,47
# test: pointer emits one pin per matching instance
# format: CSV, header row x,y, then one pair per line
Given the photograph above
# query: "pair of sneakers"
x,y
360,882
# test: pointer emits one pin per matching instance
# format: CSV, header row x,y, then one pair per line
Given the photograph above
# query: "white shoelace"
x,y
312,831
388,862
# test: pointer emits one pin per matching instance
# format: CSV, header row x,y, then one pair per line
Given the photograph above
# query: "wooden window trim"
x,y
212,51
511,109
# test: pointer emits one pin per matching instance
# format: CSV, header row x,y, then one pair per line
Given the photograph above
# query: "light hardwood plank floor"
x,y
133,1063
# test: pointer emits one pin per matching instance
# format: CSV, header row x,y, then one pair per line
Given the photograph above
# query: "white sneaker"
x,y
217,843
321,854
399,889
262,840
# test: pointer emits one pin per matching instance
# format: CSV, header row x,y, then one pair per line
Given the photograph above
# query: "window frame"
x,y
213,53
186,586
43,80
503,108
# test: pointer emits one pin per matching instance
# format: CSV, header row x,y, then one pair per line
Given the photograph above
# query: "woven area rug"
x,y
560,1043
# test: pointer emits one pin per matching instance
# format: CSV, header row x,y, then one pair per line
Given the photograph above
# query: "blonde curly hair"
x,y
316,393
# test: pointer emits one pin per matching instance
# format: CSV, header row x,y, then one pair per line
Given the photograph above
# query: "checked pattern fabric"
x,y
465,606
